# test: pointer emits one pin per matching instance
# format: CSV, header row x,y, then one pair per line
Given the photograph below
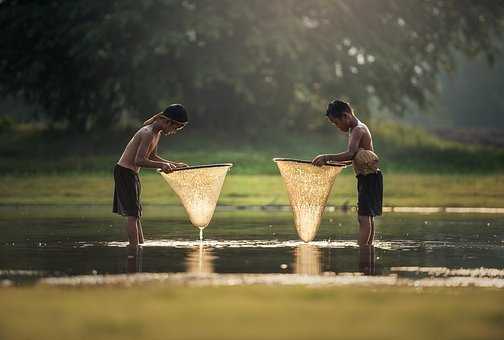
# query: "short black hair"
x,y
337,107
176,112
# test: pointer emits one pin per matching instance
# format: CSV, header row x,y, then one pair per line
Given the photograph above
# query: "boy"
x,y
141,151
365,163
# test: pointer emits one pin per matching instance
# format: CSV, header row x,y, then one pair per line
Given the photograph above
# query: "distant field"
x,y
254,312
55,167
401,149
401,189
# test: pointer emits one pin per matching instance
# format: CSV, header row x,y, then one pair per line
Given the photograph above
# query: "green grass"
x,y
401,148
53,167
254,312
401,189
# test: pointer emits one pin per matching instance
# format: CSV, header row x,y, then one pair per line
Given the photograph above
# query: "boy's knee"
x,y
363,218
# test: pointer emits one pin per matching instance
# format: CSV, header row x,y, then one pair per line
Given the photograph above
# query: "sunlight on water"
x,y
198,188
446,272
246,244
308,188
271,279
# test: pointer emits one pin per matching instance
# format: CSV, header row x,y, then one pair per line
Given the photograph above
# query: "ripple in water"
x,y
394,245
242,244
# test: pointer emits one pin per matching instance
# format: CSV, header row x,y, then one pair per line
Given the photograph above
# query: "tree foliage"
x,y
234,63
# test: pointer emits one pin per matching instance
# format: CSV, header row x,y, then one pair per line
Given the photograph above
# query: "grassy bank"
x,y
174,312
401,189
401,148
55,167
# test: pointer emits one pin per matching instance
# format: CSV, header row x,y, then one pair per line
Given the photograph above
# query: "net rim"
x,y
337,164
217,165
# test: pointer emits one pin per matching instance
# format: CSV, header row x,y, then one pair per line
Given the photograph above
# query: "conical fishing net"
x,y
308,187
198,188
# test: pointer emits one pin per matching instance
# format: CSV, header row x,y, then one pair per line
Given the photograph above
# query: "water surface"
x,y
46,241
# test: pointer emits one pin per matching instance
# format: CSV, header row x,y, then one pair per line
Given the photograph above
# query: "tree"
x,y
234,61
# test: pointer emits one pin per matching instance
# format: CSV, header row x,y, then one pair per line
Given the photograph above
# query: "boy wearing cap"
x,y
365,163
141,151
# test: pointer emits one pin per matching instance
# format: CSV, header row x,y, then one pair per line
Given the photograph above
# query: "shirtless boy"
x,y
365,163
141,151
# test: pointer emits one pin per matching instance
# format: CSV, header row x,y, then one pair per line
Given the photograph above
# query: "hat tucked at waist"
x,y
365,162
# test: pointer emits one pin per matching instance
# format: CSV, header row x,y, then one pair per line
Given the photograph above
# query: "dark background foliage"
x,y
235,64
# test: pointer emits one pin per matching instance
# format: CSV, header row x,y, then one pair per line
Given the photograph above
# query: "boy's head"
x,y
177,113
171,120
340,114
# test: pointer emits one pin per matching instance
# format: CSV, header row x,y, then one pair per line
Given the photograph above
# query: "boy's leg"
x,y
140,231
132,230
364,230
371,234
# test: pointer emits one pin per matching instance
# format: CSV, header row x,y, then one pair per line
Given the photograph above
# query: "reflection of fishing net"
x,y
200,260
198,189
308,187
307,260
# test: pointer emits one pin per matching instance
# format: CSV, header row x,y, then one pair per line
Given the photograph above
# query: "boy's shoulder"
x,y
360,128
145,131
363,127
361,124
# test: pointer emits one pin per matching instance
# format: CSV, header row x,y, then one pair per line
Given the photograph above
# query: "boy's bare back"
x,y
145,135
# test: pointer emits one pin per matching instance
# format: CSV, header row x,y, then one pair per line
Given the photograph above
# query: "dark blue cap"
x,y
176,112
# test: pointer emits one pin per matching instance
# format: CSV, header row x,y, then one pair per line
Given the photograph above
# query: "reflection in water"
x,y
468,247
135,259
200,260
367,260
307,260
198,189
308,187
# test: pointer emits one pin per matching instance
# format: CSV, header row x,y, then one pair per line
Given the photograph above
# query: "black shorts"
x,y
127,192
370,188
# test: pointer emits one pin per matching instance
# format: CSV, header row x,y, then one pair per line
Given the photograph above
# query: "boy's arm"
x,y
155,157
142,159
353,147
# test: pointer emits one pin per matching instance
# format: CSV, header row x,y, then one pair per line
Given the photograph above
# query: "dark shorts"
x,y
370,188
126,192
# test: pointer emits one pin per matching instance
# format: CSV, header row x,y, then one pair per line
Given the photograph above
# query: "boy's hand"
x,y
320,160
180,165
167,167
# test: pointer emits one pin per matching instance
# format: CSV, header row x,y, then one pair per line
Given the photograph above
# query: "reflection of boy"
x,y
365,162
141,151
367,260
134,263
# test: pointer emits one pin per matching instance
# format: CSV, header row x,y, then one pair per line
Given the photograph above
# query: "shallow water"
x,y
39,242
